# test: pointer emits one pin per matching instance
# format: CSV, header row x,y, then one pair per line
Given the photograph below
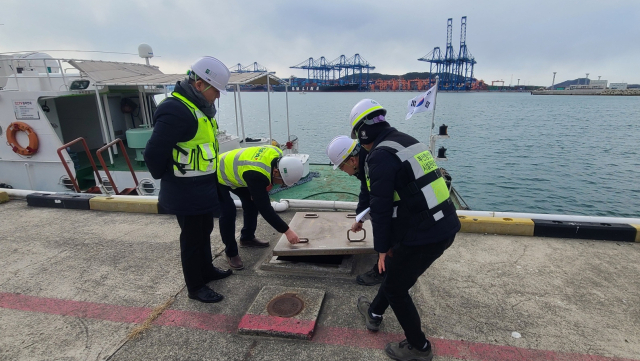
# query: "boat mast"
x,y
286,97
105,132
240,106
269,107
432,138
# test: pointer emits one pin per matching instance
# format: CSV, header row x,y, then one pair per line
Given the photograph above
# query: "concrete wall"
x,y
568,92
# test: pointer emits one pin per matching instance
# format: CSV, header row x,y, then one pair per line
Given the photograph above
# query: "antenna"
x,y
145,51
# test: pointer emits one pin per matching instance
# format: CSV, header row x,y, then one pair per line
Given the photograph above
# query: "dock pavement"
x,y
75,284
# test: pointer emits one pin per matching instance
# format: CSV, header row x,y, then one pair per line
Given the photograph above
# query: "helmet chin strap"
x,y
195,78
275,169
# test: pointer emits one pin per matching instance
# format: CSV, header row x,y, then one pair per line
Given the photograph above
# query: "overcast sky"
x,y
510,39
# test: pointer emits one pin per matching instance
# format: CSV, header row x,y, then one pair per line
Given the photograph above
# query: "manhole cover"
x,y
286,305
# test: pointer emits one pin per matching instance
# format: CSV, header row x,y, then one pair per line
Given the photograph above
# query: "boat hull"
x,y
320,88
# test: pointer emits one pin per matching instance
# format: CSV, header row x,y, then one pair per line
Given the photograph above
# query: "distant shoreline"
x,y
610,92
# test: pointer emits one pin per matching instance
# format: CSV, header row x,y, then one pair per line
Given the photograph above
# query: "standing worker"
x,y
249,173
182,152
414,221
347,155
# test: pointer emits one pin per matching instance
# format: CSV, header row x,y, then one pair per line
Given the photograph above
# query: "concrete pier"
x,y
76,283
610,92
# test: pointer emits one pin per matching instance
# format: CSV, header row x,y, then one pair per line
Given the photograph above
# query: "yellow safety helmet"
x,y
365,112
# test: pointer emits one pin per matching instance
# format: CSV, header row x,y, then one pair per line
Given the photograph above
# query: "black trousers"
x,y
228,217
403,270
195,250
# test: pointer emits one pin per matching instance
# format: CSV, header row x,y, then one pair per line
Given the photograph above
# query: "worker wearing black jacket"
x,y
413,220
182,152
347,155
249,173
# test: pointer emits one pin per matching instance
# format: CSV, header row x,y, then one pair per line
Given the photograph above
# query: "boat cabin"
x,y
81,125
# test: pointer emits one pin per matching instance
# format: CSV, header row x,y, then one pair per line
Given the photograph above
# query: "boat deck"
x,y
76,283
324,184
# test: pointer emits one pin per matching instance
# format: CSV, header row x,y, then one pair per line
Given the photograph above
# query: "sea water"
x,y
508,152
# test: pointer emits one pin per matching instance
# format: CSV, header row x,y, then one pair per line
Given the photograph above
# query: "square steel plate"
x,y
327,234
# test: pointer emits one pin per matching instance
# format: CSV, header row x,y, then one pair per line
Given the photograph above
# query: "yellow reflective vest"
x,y
196,157
234,163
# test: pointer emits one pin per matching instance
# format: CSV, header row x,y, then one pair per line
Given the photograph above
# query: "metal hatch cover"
x,y
327,235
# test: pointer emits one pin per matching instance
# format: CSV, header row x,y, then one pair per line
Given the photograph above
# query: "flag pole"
x,y
432,138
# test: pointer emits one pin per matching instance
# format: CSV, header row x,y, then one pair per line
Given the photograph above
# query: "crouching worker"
x,y
249,173
347,155
413,219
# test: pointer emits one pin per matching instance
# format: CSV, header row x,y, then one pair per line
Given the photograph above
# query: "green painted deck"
x,y
322,183
325,184
330,185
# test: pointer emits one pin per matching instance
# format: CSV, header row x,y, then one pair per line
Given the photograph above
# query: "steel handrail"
x,y
104,165
64,163
15,62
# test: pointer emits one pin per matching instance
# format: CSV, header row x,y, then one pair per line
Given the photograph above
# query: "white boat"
x,y
54,111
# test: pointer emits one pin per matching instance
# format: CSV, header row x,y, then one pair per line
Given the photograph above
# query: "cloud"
x,y
528,40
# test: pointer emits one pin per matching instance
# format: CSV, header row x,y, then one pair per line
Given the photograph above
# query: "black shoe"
x,y
206,295
218,274
370,278
255,242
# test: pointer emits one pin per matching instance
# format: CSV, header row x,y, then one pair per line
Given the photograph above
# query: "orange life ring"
x,y
16,127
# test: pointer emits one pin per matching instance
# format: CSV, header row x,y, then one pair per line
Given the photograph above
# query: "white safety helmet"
x,y
365,111
213,71
291,169
340,148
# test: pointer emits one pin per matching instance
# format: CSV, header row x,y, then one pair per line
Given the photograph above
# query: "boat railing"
x,y
33,68
126,191
94,189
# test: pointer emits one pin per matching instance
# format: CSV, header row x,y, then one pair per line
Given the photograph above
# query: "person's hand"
x,y
292,237
356,227
381,259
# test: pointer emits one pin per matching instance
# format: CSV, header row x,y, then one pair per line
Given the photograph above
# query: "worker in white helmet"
x,y
413,218
348,155
183,152
249,173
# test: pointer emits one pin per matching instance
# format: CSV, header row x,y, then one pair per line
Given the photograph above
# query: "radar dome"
x,y
145,51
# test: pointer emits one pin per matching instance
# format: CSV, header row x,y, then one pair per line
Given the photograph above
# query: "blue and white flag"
x,y
422,103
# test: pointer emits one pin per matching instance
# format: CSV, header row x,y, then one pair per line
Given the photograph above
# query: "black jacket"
x,y
174,123
363,197
386,174
257,184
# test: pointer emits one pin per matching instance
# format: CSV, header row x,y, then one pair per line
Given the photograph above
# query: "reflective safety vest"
x,y
196,157
234,163
426,197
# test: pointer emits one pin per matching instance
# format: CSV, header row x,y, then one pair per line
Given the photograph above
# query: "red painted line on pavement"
x,y
354,338
199,320
54,306
465,350
277,325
